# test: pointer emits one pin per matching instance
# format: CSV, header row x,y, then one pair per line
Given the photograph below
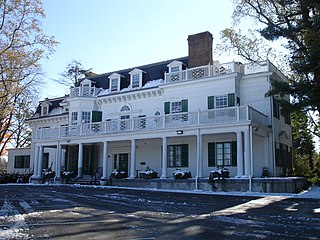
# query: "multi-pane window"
x,y
22,161
222,101
223,156
176,107
74,118
114,84
45,110
135,80
175,69
178,155
125,122
85,117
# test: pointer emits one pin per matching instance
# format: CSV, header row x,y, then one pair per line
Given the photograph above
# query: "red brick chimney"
x,y
200,49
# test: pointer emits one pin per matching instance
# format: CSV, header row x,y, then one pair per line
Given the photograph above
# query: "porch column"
x,y
239,154
40,161
35,157
58,161
199,155
80,160
164,157
105,161
247,171
133,159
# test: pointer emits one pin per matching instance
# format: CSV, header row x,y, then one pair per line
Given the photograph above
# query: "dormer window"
x,y
136,78
115,82
135,81
44,109
114,85
175,66
175,69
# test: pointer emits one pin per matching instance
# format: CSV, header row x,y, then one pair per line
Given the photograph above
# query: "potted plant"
x,y
148,173
220,173
67,175
181,174
47,175
117,174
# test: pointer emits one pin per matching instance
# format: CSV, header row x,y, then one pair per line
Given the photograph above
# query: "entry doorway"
x,y
120,162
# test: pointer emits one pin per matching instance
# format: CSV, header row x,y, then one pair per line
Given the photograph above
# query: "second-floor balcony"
x,y
83,91
151,123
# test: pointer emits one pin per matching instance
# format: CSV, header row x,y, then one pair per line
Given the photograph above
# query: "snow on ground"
x,y
16,225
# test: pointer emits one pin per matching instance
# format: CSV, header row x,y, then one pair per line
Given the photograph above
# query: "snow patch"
x,y
16,223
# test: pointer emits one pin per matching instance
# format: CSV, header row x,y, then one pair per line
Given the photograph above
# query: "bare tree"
x,y
73,72
22,46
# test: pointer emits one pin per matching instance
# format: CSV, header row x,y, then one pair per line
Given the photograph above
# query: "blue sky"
x,y
110,35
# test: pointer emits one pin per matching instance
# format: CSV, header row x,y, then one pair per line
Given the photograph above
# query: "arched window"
x,y
125,117
125,108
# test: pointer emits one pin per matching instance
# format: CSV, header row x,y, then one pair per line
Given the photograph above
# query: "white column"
x,y
164,157
35,161
199,155
105,161
239,154
247,171
58,161
80,160
40,161
133,159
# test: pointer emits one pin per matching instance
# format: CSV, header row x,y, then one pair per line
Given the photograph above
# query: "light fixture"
x,y
179,132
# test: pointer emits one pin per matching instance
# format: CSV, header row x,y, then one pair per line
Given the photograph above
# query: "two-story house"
x,y
191,113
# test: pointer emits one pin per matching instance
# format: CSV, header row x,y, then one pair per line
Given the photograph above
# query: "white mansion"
x,y
189,113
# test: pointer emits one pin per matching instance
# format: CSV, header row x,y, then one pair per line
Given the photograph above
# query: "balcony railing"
x,y
216,70
185,119
83,91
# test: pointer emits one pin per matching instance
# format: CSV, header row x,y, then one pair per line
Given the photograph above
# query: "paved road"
x,y
66,212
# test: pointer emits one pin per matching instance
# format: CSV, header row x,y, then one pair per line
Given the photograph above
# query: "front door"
x,y
121,162
88,159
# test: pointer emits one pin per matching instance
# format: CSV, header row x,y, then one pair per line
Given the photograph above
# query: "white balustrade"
x,y
183,119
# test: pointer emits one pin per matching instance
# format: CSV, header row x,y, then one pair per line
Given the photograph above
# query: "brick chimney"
x,y
200,49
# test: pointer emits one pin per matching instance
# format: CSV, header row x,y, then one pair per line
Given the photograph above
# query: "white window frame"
x,y
85,117
74,118
44,109
175,66
114,77
134,74
176,107
223,154
221,101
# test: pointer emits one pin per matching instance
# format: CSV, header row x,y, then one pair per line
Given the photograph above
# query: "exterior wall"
x,y
256,137
12,153
253,89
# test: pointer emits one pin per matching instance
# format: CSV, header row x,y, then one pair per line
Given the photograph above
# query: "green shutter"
x,y
184,155
96,116
231,100
211,154
167,108
233,153
184,105
211,102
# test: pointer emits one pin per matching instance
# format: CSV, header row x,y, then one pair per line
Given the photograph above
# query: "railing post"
x,y
238,113
165,77
198,117
132,124
164,121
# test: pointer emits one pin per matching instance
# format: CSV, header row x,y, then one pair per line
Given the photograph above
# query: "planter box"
x,y
148,176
